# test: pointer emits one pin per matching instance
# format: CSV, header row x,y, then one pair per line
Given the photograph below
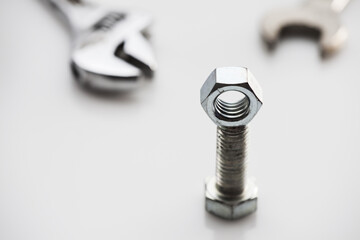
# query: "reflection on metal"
x,y
317,18
110,49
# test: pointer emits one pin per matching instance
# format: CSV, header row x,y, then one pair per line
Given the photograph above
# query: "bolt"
x,y
231,97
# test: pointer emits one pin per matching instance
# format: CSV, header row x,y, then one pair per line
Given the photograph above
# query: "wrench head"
x,y
318,21
114,53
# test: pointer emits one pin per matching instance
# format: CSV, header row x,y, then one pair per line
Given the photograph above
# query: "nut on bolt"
x,y
231,97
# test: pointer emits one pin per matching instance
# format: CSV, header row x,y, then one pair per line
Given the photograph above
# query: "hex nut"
x,y
230,209
231,79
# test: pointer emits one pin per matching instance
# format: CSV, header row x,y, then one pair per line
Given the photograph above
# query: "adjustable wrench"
x,y
319,15
110,50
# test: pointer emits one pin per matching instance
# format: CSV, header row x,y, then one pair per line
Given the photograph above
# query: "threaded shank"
x,y
231,160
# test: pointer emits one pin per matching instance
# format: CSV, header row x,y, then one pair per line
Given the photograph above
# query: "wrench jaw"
x,y
323,25
333,40
138,51
100,82
114,58
95,69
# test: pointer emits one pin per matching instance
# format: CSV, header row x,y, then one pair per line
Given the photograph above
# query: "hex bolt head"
x,y
229,194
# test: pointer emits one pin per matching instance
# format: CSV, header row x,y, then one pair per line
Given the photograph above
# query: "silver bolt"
x,y
231,97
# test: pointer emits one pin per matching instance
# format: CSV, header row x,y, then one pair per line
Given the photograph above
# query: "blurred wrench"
x,y
110,50
319,16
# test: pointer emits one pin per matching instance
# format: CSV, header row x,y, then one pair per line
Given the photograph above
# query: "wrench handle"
x,y
78,14
66,6
339,5
336,5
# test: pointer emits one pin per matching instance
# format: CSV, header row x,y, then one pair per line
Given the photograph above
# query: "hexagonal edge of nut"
x,y
231,79
230,210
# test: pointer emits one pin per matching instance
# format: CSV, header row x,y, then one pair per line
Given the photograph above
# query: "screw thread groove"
x,y
231,160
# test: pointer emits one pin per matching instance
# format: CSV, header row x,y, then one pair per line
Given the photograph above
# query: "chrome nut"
x,y
233,208
231,79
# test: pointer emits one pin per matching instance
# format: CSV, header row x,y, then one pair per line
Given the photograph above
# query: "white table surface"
x,y
78,166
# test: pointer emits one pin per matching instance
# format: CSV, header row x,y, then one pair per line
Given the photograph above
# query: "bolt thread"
x,y
231,160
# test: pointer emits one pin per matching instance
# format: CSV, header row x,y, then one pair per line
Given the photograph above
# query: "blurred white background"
x,y
74,165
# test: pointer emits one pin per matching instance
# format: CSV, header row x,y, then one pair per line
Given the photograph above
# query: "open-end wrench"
x,y
321,17
110,49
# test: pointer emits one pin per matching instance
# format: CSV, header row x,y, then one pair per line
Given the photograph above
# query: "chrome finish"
x,y
335,5
320,18
230,194
110,50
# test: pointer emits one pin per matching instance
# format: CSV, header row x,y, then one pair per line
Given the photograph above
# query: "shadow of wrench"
x,y
110,50
319,18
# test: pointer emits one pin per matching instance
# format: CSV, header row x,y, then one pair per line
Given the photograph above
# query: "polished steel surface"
x,y
231,79
110,48
230,194
318,18
80,166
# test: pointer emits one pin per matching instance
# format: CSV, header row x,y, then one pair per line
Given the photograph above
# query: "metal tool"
x,y
231,98
319,18
110,49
